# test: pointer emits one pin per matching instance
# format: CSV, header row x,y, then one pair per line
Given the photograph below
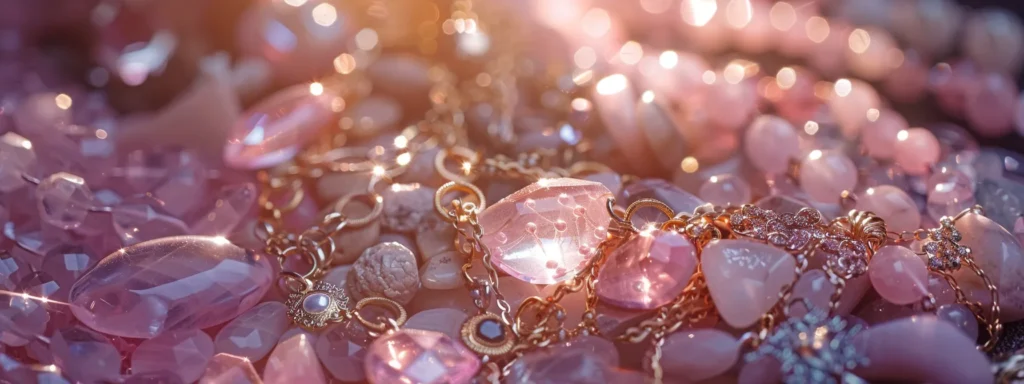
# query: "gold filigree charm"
x,y
487,335
316,307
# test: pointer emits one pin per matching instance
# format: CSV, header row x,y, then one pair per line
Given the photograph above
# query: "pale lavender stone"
x,y
85,355
170,284
233,204
185,353
65,264
254,333
579,362
342,349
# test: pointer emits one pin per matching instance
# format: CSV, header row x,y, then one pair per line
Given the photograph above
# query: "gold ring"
x,y
373,199
454,186
396,309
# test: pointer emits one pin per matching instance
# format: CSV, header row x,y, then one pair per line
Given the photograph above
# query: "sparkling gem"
x,y
899,275
548,231
647,271
274,130
185,353
419,357
342,349
745,278
85,355
234,203
999,254
63,200
12,270
491,331
24,316
316,303
294,361
254,333
16,158
225,368
65,264
949,192
176,284
136,223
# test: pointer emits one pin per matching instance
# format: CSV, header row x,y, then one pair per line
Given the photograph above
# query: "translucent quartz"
x,y
647,271
419,357
917,150
891,204
879,137
824,175
745,277
63,200
898,275
770,144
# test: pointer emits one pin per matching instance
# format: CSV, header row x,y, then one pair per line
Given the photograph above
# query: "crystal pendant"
x,y
63,200
419,357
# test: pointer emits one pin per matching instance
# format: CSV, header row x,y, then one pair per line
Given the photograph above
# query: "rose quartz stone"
x,y
725,190
184,353
879,137
873,61
989,104
994,38
615,99
851,108
999,254
745,278
647,271
294,361
824,175
548,231
917,150
898,275
225,368
950,191
921,349
274,130
254,333
695,355
770,143
893,205
342,350
814,285
960,316
421,357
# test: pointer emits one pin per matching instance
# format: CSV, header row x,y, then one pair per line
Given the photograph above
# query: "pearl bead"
x,y
825,175
917,150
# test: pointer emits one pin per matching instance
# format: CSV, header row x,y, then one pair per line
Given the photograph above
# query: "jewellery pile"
x,y
537,191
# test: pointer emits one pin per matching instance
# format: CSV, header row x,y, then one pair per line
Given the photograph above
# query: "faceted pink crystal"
x,y
745,278
548,231
898,275
85,355
170,284
342,350
182,352
294,361
65,264
648,270
63,200
274,130
583,360
225,368
419,357
254,333
136,223
233,204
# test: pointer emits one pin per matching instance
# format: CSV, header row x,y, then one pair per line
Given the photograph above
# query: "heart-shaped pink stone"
x,y
999,254
745,278
648,270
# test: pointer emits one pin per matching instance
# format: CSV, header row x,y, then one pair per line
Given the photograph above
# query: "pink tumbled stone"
x,y
898,275
989,104
548,231
725,190
184,353
850,104
999,254
647,271
170,284
960,316
770,143
921,349
419,357
254,333
342,349
745,278
994,38
699,354
294,361
917,150
273,131
824,175
225,368
879,137
893,205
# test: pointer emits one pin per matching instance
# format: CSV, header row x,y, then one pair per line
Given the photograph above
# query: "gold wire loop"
x,y
293,251
398,312
466,158
267,195
341,160
647,203
290,278
373,199
453,187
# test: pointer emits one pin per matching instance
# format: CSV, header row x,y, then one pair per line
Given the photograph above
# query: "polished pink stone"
x,y
225,368
745,278
891,204
725,190
990,103
185,353
851,108
274,130
908,83
294,361
814,285
138,222
586,359
16,158
232,205
615,98
921,349
879,137
63,200
872,60
648,270
730,106
695,355
447,320
960,316
994,38
999,254
950,191
170,284
770,143
65,264
254,333
824,175
898,275
548,231
419,357
342,350
85,355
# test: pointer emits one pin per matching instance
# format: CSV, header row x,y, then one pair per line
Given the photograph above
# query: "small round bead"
x,y
725,190
990,103
898,275
879,136
870,53
824,175
917,150
770,143
850,102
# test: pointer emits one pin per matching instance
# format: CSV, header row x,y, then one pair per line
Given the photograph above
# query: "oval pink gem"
x,y
170,284
274,130
419,357
647,271
548,231
745,278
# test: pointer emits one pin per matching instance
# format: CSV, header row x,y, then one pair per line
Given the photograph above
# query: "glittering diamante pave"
x,y
945,254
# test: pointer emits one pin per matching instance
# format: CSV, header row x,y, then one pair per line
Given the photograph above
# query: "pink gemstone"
x,y
879,137
700,354
745,278
294,361
960,316
989,105
254,333
139,222
63,200
917,150
648,270
725,190
659,189
584,360
419,357
870,53
770,144
729,106
921,349
234,203
898,275
225,368
548,231
274,130
994,38
176,284
949,192
16,158
851,105
908,82
185,353
342,350
999,254
446,320
66,263
85,355
893,205
824,175
615,99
